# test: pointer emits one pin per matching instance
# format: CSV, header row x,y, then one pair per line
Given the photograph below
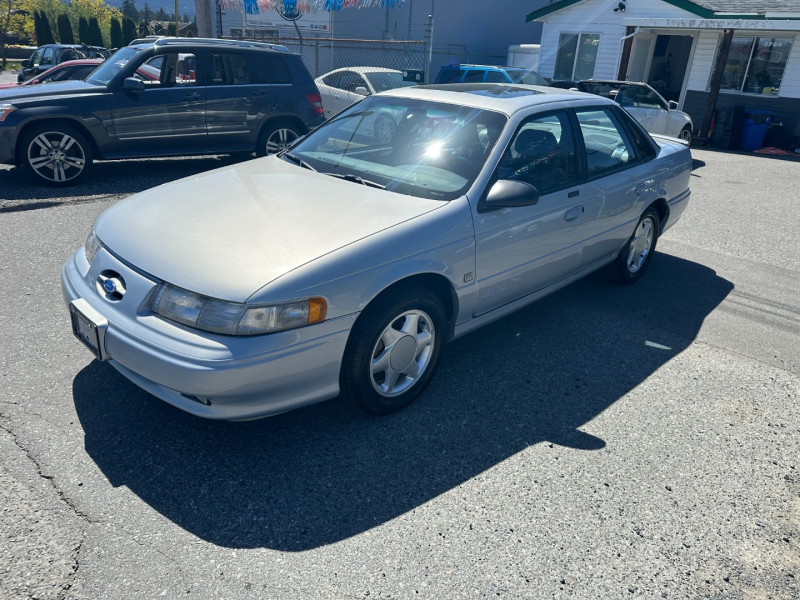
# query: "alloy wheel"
x,y
56,156
280,139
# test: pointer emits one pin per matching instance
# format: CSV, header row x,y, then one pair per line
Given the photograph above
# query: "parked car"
x,y
488,74
645,105
47,56
342,87
71,69
341,267
171,97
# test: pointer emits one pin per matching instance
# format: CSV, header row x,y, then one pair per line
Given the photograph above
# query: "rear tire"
x,y
276,137
57,155
635,256
393,351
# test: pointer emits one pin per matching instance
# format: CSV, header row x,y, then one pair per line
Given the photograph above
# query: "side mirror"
x,y
24,63
673,105
507,193
361,91
131,84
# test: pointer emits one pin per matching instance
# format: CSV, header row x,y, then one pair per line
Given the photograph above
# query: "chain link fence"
x,y
321,55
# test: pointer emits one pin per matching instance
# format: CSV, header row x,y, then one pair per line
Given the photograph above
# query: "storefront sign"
x,y
767,25
270,19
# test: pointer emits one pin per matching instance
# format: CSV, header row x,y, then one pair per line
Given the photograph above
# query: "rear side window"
x,y
450,76
70,73
274,67
607,149
496,77
332,80
640,138
474,76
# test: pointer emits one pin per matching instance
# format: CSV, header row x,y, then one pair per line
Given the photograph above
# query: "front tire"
x,y
277,137
393,351
57,155
635,256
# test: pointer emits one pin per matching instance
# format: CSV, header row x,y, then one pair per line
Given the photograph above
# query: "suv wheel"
x,y
276,138
56,154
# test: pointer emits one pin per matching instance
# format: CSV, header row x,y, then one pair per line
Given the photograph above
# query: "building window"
x,y
755,65
577,53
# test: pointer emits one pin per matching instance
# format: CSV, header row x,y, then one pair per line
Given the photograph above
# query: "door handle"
x,y
191,97
574,193
258,93
574,213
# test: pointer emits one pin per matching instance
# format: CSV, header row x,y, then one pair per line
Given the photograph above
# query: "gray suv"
x,y
170,97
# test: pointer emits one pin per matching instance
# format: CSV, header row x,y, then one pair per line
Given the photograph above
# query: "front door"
x,y
641,56
169,115
524,249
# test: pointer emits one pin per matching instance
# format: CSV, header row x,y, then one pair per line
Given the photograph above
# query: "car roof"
x,y
207,42
363,70
490,67
612,82
506,98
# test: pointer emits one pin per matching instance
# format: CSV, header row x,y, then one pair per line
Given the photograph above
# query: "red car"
x,y
77,69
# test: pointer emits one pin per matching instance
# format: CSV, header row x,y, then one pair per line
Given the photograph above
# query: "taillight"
x,y
316,102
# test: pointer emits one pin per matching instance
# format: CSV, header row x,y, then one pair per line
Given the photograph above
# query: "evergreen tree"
x,y
128,31
186,18
83,30
117,41
128,8
65,35
171,29
95,35
44,34
147,14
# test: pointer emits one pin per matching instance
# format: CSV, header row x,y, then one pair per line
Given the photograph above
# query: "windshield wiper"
x,y
297,160
357,179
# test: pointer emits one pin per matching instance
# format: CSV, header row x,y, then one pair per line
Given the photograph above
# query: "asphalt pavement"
x,y
605,442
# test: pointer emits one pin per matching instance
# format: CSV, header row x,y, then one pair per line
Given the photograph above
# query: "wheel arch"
x,y
662,208
437,283
34,123
288,119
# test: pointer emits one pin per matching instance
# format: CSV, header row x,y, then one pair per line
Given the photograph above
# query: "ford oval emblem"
x,y
110,286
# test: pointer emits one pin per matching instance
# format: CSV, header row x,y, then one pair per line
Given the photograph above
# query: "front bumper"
x,y
208,375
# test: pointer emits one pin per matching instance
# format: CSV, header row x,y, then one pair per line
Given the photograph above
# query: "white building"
x,y
676,45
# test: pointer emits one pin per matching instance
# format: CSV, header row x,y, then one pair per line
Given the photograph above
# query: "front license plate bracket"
x,y
89,326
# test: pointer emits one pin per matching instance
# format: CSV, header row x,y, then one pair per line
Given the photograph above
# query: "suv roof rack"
x,y
168,41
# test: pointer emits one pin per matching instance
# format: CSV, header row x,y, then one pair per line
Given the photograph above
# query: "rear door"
x,y
239,97
617,176
523,249
474,76
169,115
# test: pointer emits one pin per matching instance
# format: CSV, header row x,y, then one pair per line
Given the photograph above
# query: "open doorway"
x,y
661,61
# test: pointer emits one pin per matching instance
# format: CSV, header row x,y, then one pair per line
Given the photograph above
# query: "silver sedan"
x,y
343,265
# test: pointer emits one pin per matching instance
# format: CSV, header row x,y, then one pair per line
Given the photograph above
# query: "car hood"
x,y
55,88
229,232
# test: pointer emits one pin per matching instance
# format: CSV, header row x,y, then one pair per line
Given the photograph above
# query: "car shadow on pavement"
x,y
324,473
117,178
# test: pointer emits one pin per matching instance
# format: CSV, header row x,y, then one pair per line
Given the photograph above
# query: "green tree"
x,y
128,8
44,33
171,29
83,30
186,18
64,26
147,14
128,31
160,14
95,35
115,32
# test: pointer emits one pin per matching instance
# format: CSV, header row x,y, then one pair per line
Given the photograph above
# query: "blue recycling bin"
x,y
754,128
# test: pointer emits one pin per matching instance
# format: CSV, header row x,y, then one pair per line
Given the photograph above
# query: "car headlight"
x,y
5,110
234,318
91,246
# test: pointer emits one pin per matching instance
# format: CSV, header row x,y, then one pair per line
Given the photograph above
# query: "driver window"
x,y
648,99
36,58
542,153
607,149
175,70
47,59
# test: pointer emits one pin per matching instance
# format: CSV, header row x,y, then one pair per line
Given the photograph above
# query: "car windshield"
x,y
413,147
381,82
108,69
526,77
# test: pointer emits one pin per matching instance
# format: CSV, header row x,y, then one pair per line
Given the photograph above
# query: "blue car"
x,y
488,74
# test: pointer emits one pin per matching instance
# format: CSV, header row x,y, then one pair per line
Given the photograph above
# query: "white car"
x,y
645,105
342,87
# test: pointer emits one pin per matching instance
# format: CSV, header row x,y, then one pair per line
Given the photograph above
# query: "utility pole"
x,y
177,33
